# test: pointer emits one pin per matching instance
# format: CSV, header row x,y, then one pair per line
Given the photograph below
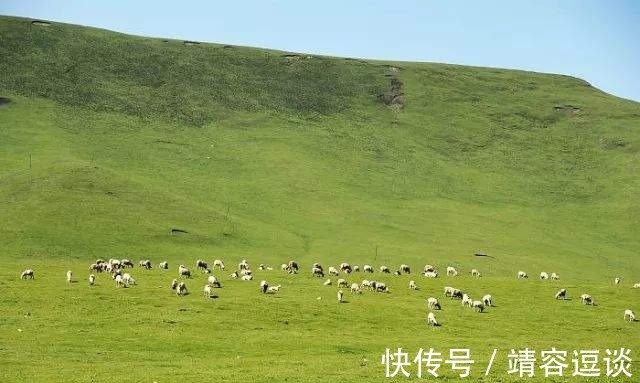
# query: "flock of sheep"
x,y
116,269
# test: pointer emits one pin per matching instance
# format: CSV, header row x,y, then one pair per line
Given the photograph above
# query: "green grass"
x,y
110,140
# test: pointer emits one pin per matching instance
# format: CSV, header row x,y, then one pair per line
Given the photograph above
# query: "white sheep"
x,y
381,287
213,281
184,271
234,275
246,272
356,268
431,320
333,271
433,303
429,269
629,315
92,280
243,264
466,301
181,289
174,284
119,281
478,306
340,296
384,269
367,269
346,268
412,285
561,294
27,274
126,263
355,288
273,289
264,286
405,269
342,283
366,283
219,264
587,299
555,276
317,272
522,275
475,273
207,291
544,275
617,281
246,277
451,271
145,263
69,276
487,300
452,292
430,274
636,286
163,265
327,282
284,267
128,280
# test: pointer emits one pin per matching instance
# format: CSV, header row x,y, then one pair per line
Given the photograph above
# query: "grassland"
x,y
109,141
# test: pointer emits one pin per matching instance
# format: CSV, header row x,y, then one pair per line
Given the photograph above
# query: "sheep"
x,y
355,288
561,294
346,268
293,267
261,266
174,284
213,281
412,285
587,299
207,291
243,265
554,277
115,273
397,272
184,272
430,274
405,269
264,286
327,282
384,269
544,276
617,281
317,272
342,283
126,263
273,289
145,263
127,279
333,271
119,281
97,267
478,306
367,269
629,315
366,283
487,300
246,272
451,271
246,277
234,275
433,303
181,289
475,273
466,301
164,265
27,274
429,269
284,267
431,320
452,292
522,275
381,287
202,265
219,264
100,261
340,296
636,286
356,268
69,276
92,279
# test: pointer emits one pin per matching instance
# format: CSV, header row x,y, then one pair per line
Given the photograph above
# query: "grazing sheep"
x,y
333,271
412,285
367,269
629,315
636,286
164,265
356,268
243,265
381,287
340,296
466,301
617,281
181,289
342,283
554,276
487,300
433,303
128,279
119,281
184,272
27,274
317,272
207,291
452,293
126,263
100,261
429,269
264,286
451,271
145,263
174,284
97,267
355,288
475,273
327,282
293,267
544,276
69,276
384,269
478,306
202,265
522,275
273,289
92,279
246,277
234,275
219,264
115,273
397,272
430,274
587,299
405,269
561,294
284,267
246,272
213,281
366,283
346,268
431,320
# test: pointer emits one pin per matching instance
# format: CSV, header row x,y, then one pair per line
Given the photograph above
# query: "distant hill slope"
x,y
109,141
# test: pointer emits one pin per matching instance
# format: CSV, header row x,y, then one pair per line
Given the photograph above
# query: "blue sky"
x,y
598,41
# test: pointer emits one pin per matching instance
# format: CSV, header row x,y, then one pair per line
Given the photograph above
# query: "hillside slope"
x,y
109,141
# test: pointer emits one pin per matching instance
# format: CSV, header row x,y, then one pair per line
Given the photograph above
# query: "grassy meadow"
x,y
109,141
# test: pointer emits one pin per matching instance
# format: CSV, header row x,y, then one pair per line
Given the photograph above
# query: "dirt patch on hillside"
x,y
612,143
570,109
40,23
394,97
